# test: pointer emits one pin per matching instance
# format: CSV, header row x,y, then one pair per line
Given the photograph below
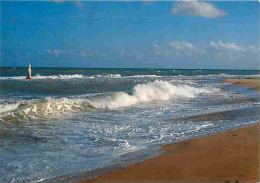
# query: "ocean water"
x,y
68,120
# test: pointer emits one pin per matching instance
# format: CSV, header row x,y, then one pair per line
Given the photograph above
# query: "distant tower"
x,y
29,74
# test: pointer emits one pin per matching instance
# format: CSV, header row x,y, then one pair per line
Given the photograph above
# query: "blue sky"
x,y
215,35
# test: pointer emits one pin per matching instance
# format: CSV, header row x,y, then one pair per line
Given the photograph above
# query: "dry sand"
x,y
232,156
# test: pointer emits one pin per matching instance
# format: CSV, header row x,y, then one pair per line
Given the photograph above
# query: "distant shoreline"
x,y
253,83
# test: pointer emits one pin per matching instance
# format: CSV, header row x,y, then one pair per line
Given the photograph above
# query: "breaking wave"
x,y
8,107
44,108
154,91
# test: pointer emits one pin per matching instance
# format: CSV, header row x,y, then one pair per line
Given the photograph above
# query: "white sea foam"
x,y
154,91
51,106
48,77
143,76
112,75
127,147
8,107
37,109
107,76
76,76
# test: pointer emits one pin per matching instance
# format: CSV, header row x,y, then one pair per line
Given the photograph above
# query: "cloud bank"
x,y
173,54
185,48
195,8
225,46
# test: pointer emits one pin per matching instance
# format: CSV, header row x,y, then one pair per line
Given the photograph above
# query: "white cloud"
x,y
186,48
195,8
55,52
58,1
181,45
232,53
225,46
86,53
157,49
78,4
210,53
130,53
254,48
156,46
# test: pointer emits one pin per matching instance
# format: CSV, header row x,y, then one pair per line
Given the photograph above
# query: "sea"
x,y
67,122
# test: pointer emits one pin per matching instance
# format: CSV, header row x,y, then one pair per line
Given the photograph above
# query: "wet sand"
x,y
253,83
217,116
232,156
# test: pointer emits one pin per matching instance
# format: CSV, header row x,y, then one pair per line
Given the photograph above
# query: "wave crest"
x,y
39,109
154,91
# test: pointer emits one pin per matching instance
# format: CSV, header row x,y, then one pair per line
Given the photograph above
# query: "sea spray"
x,y
8,107
147,92
43,108
154,91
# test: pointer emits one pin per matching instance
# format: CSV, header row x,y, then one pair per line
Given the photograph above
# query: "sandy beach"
x,y
253,83
232,156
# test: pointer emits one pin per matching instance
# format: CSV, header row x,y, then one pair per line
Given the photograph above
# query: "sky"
x,y
140,34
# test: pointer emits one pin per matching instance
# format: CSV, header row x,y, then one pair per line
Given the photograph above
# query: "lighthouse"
x,y
29,72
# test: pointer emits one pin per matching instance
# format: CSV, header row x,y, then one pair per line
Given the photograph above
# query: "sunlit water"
x,y
73,120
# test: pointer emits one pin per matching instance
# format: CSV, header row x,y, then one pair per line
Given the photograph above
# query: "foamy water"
x,y
154,91
94,118
142,93
77,76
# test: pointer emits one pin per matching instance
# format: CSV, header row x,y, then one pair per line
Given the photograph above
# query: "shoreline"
x,y
253,83
230,156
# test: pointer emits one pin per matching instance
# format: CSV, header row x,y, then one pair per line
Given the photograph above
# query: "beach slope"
x,y
230,156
